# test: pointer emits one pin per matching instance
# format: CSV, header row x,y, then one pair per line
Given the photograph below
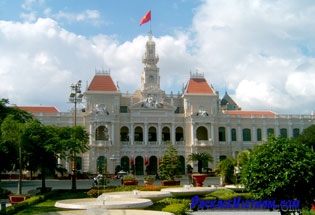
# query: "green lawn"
x,y
49,204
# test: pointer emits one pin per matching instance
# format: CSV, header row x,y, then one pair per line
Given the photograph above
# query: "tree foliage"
x,y
281,169
12,130
225,168
170,164
71,140
201,157
243,157
308,137
36,140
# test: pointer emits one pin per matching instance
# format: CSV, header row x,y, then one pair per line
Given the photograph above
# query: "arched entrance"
x,y
182,165
152,167
124,161
139,165
101,164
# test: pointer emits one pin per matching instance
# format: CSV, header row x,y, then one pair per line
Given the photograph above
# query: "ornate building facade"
x,y
133,130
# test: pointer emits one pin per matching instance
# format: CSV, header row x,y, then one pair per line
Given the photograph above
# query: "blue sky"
x,y
262,52
106,17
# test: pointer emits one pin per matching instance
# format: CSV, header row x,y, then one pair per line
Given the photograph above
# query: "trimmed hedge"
x,y
177,209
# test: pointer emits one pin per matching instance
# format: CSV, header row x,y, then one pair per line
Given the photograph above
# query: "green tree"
x,y
73,140
202,158
8,148
170,164
225,168
12,129
281,169
307,137
243,157
36,142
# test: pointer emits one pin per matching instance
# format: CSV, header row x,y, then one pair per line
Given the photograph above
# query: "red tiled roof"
x,y
198,85
102,83
39,109
242,112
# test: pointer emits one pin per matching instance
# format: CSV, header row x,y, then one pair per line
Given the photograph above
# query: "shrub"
x,y
227,194
177,209
94,193
129,177
148,178
4,193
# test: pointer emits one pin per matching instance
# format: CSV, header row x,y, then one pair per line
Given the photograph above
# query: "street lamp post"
x,y
75,97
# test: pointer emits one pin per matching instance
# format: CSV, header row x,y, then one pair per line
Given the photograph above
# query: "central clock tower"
x,y
150,78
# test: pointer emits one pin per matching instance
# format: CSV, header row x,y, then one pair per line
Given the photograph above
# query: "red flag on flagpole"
x,y
146,18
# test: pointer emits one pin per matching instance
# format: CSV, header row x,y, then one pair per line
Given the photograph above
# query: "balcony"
x,y
102,143
203,143
125,143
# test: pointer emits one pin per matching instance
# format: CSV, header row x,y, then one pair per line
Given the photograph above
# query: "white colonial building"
x,y
134,129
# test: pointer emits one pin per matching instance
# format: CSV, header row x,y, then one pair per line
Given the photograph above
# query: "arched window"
x,y
166,136
202,133
152,134
179,135
296,132
259,136
270,131
233,134
124,134
101,133
284,132
246,134
221,134
138,134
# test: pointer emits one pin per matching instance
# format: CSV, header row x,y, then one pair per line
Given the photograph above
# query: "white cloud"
x,y
90,16
254,48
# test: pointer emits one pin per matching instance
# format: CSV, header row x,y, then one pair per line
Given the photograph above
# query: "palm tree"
x,y
200,157
225,168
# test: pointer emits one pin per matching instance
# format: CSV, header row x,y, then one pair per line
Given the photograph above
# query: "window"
x,y
202,133
259,134
233,134
296,132
138,134
284,132
101,133
270,131
123,109
179,135
152,134
246,134
221,134
124,134
166,136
